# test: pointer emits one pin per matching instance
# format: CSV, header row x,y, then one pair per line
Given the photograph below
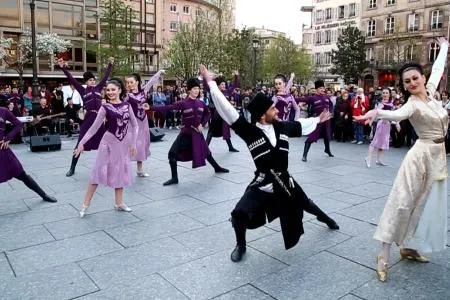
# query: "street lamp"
x,y
34,82
256,44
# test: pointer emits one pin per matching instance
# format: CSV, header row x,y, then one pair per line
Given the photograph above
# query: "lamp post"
x,y
34,82
255,49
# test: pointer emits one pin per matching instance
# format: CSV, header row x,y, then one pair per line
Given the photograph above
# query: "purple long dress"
x,y
383,132
10,166
137,101
113,163
319,104
194,112
92,101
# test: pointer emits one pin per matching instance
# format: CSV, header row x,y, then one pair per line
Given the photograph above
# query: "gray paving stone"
x,y
214,213
315,240
5,270
12,206
313,176
275,224
143,260
347,197
343,170
227,191
323,276
218,237
24,237
409,281
350,297
363,249
371,190
349,225
139,233
37,216
313,190
441,258
216,274
368,211
246,292
149,287
166,207
31,259
62,282
76,226
329,205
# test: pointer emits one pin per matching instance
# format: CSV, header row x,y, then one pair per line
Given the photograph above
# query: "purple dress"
x,y
284,104
112,165
319,103
383,132
195,112
92,101
10,166
137,101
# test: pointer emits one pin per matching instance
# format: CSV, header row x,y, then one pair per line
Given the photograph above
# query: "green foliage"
x,y
350,57
118,34
284,57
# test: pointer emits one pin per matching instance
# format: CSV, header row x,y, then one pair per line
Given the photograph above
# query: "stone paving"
x,y
177,241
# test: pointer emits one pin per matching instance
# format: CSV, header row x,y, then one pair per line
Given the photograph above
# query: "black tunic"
x,y
288,199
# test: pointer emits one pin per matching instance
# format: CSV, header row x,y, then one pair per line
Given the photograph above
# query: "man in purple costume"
x,y
190,144
218,127
92,101
283,100
10,166
320,102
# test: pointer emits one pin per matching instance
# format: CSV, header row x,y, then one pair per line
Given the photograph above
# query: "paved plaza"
x,y
176,243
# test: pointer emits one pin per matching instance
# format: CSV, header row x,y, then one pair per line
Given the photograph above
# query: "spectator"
x,y
159,98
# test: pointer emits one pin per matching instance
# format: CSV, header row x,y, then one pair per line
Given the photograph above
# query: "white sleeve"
x,y
438,69
223,107
308,124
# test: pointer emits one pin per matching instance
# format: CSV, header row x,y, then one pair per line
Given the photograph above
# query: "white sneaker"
x,y
359,143
380,163
367,162
354,141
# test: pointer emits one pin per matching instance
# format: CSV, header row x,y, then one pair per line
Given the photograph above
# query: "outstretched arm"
x,y
309,124
438,67
108,70
155,78
72,80
17,126
95,126
287,89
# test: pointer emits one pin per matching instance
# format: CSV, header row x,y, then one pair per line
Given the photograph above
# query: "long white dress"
x,y
415,214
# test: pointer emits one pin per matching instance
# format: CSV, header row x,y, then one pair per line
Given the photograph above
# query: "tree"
x,y
118,34
349,59
46,44
284,57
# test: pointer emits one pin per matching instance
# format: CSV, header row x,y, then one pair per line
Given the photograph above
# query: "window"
x,y
150,37
352,9
67,19
90,19
372,3
9,14
387,54
149,18
413,22
410,52
173,8
173,26
91,3
185,26
319,16
390,2
371,28
328,14
436,19
390,25
328,58
369,54
43,16
318,37
198,12
327,36
434,52
317,58
186,9
341,13
149,1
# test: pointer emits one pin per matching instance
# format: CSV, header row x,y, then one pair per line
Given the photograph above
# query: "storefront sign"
x,y
337,24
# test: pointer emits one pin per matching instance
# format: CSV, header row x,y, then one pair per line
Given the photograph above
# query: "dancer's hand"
x,y
205,73
292,75
61,63
133,150
162,72
4,144
111,60
369,117
78,150
146,106
324,116
442,41
200,128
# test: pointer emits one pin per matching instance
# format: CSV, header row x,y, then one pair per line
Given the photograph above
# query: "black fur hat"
x,y
220,79
319,83
258,106
192,83
88,75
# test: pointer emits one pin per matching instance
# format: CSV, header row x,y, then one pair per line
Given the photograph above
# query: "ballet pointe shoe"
x,y
382,273
412,254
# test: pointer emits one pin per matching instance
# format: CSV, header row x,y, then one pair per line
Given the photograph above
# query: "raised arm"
x,y
438,67
17,126
69,76
289,84
155,78
234,84
95,126
106,74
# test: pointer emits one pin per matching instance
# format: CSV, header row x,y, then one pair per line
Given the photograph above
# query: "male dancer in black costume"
x,y
273,192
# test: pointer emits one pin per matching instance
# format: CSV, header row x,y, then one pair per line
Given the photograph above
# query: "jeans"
x,y
359,131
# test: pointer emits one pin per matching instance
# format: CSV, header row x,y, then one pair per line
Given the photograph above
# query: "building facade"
x,y
398,31
329,18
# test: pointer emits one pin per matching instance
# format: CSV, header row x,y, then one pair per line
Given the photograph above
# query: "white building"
x,y
329,18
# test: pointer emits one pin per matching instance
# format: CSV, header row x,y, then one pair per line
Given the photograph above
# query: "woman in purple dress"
x,y
380,140
10,166
283,99
92,101
112,166
137,97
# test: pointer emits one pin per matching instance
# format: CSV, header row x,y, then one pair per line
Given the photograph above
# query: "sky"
x,y
281,15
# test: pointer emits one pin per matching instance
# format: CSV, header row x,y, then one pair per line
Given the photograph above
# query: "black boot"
x,y
72,166
32,185
230,146
313,209
209,137
306,150
327,147
173,169
217,168
240,249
